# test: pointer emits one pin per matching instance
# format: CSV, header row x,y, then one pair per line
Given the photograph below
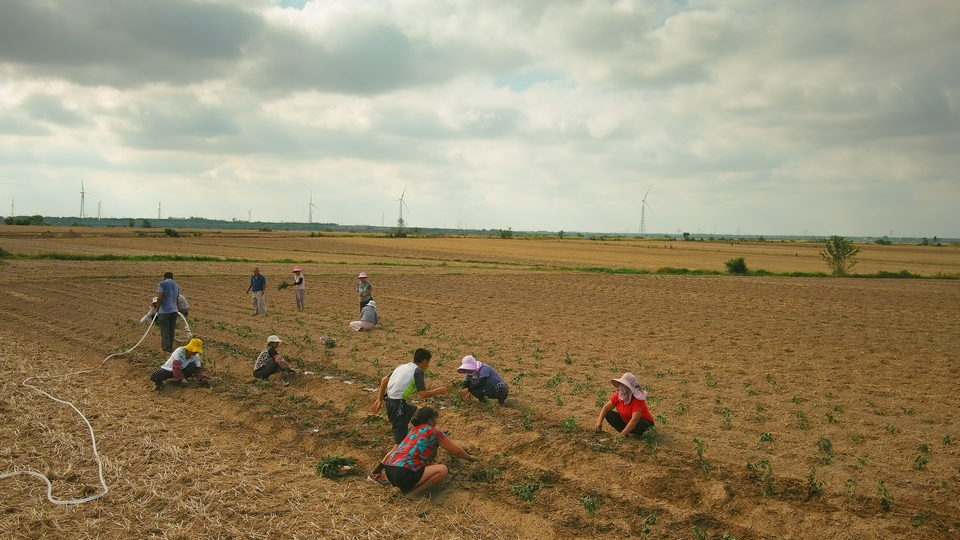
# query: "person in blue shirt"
x,y
167,293
481,381
257,285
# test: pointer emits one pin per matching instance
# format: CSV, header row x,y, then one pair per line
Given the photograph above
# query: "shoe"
x,y
157,386
380,478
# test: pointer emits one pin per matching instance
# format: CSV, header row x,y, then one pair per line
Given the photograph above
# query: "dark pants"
x,y
267,369
161,374
497,391
613,418
403,478
168,326
399,412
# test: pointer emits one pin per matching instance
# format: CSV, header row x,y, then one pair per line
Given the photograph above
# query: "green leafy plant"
x,y
766,436
814,486
920,463
487,475
333,467
569,424
705,466
591,504
918,519
527,492
802,420
282,285
709,377
886,499
762,472
857,438
825,448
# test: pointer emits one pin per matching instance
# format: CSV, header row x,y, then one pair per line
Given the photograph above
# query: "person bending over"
x,y
183,362
626,411
269,362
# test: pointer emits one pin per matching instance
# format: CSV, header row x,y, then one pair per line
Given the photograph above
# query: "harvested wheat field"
x,y
786,407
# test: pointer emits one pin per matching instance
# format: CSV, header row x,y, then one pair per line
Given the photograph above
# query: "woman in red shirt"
x,y
627,409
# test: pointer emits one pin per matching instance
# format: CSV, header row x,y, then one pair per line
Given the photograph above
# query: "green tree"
x,y
560,234
839,253
8,220
131,222
145,223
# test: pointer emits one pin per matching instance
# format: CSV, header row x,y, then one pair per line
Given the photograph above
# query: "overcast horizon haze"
x,y
741,117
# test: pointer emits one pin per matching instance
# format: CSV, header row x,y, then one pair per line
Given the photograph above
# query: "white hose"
x,y
93,439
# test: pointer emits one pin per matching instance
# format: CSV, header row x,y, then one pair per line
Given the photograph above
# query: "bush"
x,y
736,266
171,233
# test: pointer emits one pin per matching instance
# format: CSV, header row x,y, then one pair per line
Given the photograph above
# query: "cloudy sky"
x,y
739,116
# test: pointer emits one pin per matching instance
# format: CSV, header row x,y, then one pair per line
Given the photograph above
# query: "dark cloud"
x,y
120,43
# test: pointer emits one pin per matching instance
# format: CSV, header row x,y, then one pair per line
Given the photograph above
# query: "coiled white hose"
x,y
93,439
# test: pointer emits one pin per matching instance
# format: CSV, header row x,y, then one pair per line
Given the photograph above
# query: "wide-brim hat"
x,y
469,364
274,339
195,345
296,268
372,303
629,381
362,275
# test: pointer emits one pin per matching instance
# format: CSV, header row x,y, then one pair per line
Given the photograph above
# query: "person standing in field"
x,y
183,362
626,411
167,293
364,289
394,391
299,286
410,466
257,285
368,318
481,381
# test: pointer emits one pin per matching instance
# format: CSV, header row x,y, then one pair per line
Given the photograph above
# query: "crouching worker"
x,y
627,409
481,381
410,466
183,362
269,362
368,318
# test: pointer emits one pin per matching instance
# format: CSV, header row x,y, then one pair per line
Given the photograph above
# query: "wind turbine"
x,y
82,193
248,215
311,207
99,204
400,221
12,207
158,211
643,212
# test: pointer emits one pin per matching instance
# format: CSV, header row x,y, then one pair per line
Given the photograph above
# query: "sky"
x,y
813,117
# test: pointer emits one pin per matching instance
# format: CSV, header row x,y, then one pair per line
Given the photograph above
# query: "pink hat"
x,y
468,364
296,268
629,381
362,275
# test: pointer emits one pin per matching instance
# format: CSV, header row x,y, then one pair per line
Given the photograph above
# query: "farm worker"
x,y
368,318
364,289
167,293
627,409
394,390
410,466
151,313
257,285
269,362
481,381
183,362
182,305
299,287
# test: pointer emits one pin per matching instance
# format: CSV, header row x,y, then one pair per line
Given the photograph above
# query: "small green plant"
x,y
923,447
710,382
487,475
918,519
350,406
762,472
797,400
727,418
908,411
893,430
591,504
421,330
698,533
705,466
771,380
527,492
568,360
830,419
679,409
650,438
838,408
332,467
814,486
920,463
569,424
526,418
802,420
602,397
947,439
857,438
766,436
850,489
661,419
825,448
886,499
282,285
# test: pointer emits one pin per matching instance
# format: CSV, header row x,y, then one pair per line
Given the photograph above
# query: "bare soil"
x,y
836,384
